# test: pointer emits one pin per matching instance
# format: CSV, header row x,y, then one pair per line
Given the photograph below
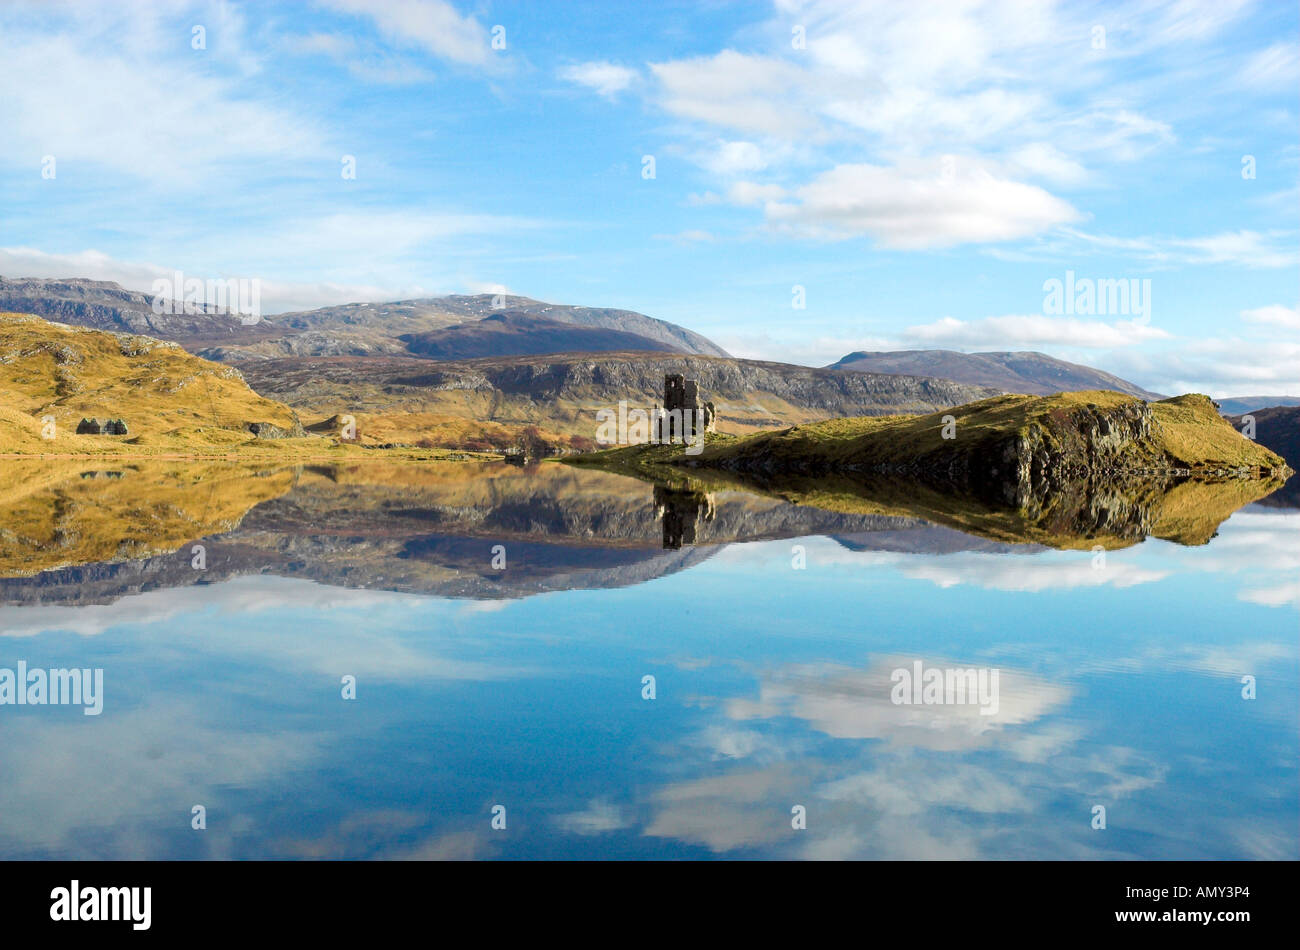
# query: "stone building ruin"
x,y
682,512
685,414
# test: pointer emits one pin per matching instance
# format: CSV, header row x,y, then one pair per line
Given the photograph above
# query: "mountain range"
x,y
518,325
1030,374
470,371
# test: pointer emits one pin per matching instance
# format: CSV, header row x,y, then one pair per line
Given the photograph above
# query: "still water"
x,y
611,670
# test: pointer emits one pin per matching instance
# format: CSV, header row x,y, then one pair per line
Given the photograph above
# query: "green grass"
x,y
1180,482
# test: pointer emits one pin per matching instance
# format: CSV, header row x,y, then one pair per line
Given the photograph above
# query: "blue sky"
x,y
920,170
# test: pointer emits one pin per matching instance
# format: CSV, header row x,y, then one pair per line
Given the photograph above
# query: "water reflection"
x,y
1121,675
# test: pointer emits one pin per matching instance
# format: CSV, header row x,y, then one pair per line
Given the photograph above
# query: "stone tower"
x,y
682,396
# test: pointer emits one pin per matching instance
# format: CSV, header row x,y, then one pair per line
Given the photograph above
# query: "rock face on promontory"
x,y
1060,469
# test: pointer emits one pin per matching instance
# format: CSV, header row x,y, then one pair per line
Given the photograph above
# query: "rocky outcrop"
x,y
107,427
537,388
269,430
1072,445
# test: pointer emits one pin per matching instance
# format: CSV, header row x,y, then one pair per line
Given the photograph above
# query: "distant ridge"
x,y
1236,405
354,329
1028,373
512,333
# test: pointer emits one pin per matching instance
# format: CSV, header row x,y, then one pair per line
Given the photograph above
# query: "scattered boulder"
x,y
269,430
107,427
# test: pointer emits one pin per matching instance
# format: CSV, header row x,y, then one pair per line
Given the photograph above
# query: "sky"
x,y
795,180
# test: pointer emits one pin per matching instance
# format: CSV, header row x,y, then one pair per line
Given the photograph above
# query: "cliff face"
x,y
1029,443
727,379
565,391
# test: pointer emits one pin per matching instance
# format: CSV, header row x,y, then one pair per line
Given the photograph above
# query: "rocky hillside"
x,y
436,313
510,333
1278,429
1064,470
565,392
1030,443
1035,374
52,376
357,329
103,305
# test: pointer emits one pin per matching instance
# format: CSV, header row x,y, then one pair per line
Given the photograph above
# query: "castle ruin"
x,y
682,512
685,414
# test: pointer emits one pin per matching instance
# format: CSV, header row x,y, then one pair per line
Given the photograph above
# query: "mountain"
x,y
1278,428
103,305
1237,405
522,334
52,376
1033,374
401,395
356,329
436,313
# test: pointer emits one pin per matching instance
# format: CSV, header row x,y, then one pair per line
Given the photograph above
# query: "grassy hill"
x,y
1086,432
170,400
52,376
1069,470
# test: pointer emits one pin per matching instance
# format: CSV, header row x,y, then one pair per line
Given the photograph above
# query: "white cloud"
x,y
277,295
366,63
736,91
733,158
857,704
746,193
1275,315
919,209
1245,248
1042,160
689,236
1254,249
1121,135
1222,367
605,78
598,818
1275,66
434,26
129,106
995,572
1030,331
